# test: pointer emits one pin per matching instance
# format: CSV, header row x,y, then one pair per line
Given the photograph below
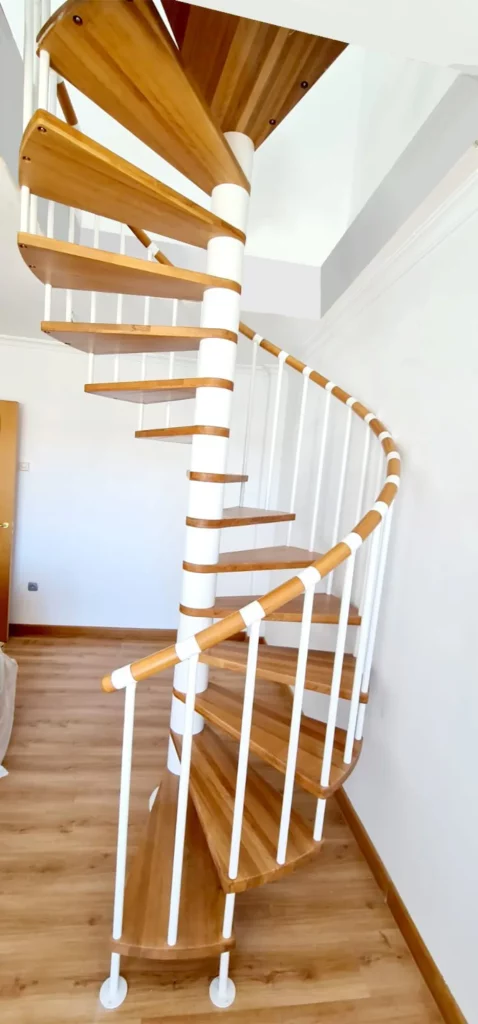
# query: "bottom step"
x,y
146,903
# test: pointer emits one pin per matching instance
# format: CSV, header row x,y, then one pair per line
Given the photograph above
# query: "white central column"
x,y
217,358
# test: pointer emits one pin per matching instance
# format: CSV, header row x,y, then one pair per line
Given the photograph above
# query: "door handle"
x,y
4,526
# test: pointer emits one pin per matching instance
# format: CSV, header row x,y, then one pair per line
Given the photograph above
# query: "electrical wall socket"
x,y
33,586
24,467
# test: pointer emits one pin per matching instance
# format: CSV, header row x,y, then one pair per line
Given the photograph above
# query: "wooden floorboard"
x,y
318,946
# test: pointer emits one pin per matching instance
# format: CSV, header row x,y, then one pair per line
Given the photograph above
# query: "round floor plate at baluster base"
x,y
109,1001
222,1001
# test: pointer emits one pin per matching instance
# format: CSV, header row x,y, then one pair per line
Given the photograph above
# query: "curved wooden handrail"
x,y
275,599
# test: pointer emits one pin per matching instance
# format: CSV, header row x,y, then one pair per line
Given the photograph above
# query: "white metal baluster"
x,y
222,989
69,293
296,716
183,794
119,300
376,489
363,635
146,318
320,468
113,990
335,691
385,531
94,302
243,758
300,434
250,403
341,487
363,475
33,215
174,321
28,59
47,99
275,424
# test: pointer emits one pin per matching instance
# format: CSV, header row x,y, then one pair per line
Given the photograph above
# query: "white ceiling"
x,y
435,31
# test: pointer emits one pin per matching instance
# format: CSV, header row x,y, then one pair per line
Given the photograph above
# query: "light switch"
x,y
24,467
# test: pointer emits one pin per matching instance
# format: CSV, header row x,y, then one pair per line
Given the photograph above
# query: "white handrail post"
x,y
28,57
146,319
37,6
113,990
385,531
320,464
336,681
250,404
364,629
309,577
94,301
222,990
243,758
119,300
275,424
174,321
341,487
300,434
183,796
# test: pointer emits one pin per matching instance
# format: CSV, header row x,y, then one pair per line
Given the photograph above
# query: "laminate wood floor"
x,y
318,946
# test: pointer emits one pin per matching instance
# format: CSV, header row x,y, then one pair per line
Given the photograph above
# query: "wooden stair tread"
x,y
59,163
326,609
147,892
183,435
221,704
121,56
117,339
240,515
278,665
255,559
68,265
250,73
217,478
152,391
212,787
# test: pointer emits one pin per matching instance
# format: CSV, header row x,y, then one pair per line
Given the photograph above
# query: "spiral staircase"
x,y
216,826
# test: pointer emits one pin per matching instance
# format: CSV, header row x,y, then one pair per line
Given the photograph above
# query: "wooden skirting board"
x,y
436,983
106,632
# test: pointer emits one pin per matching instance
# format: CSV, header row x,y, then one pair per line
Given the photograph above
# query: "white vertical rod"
x,y
376,491
295,723
44,80
174,321
183,793
243,758
337,672
275,423
69,293
363,474
37,82
250,403
28,58
300,433
94,298
363,632
341,488
37,13
119,300
385,531
146,318
126,760
320,469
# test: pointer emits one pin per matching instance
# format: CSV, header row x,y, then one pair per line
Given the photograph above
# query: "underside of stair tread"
x,y
121,56
183,435
326,609
241,515
118,339
80,267
278,665
148,887
59,163
255,559
250,73
212,787
153,391
221,704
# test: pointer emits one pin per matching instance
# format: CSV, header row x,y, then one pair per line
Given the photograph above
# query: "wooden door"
x,y
8,475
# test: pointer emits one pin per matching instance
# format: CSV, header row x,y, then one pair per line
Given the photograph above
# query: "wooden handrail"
x,y
275,599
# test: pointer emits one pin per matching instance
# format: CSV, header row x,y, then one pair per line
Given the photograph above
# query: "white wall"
x,y
406,345
100,515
